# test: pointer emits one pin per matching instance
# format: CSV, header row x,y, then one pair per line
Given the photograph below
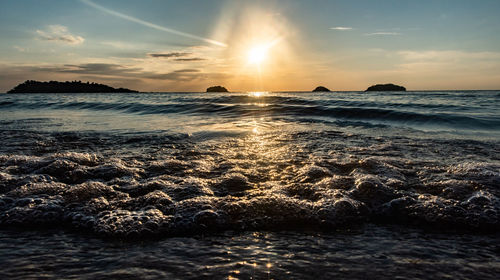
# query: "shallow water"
x,y
362,253
167,166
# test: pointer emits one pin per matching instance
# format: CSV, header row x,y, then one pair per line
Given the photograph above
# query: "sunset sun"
x,y
258,54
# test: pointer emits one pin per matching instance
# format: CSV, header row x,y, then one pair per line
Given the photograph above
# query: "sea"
x,y
250,185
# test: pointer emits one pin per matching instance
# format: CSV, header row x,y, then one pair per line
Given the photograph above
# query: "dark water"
x,y
376,252
296,185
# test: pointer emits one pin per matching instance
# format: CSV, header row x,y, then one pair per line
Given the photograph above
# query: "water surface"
x,y
192,170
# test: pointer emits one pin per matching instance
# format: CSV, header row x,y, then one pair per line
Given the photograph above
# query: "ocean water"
x,y
250,185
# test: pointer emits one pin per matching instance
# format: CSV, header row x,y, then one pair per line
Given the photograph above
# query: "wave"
x,y
160,184
434,114
115,198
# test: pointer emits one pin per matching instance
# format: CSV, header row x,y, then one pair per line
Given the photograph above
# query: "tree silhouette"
x,y
31,86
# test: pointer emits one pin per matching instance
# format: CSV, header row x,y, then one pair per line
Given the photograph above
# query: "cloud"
x,y
124,54
150,24
448,55
383,34
442,62
182,75
60,34
121,45
187,71
115,70
177,56
192,59
188,76
129,76
20,49
341,28
169,55
96,68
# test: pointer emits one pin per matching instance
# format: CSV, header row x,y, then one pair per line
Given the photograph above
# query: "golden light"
x,y
257,93
262,48
258,54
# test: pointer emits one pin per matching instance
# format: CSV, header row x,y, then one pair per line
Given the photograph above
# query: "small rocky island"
x,y
321,89
31,86
386,87
217,89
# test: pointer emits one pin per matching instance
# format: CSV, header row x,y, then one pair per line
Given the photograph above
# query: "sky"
x,y
272,45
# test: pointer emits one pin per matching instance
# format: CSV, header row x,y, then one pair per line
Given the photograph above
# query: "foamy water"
x,y
165,165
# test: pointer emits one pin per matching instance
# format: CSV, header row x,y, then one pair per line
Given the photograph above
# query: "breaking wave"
x,y
177,185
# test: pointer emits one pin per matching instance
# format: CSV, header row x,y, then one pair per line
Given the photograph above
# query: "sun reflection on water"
x,y
258,93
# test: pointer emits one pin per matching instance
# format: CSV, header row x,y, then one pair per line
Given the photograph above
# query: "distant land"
x,y
386,87
217,89
31,86
321,89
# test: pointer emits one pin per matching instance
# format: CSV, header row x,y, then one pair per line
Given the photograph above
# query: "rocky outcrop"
x,y
321,89
386,87
217,89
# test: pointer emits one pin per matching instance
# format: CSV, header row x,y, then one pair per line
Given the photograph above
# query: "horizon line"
x,y
251,91
265,91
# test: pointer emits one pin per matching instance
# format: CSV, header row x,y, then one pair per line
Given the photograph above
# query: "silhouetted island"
x,y
386,87
217,89
31,86
321,89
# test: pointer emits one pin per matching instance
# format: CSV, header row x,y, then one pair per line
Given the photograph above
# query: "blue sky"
x,y
155,45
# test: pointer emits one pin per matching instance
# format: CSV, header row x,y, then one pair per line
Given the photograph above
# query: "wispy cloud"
x,y
383,34
20,49
341,28
60,34
123,45
169,55
95,68
187,71
177,56
452,57
181,75
191,59
119,71
151,25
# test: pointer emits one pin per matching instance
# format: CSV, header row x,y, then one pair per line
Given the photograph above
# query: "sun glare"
x,y
258,54
257,93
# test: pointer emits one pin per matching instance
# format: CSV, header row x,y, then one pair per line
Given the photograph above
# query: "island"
x,y
321,89
217,89
386,87
31,86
